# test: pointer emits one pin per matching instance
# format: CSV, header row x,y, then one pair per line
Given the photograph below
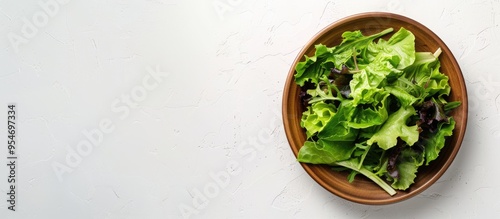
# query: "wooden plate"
x,y
362,190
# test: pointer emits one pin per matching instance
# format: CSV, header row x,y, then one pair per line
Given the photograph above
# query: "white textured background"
x,y
213,112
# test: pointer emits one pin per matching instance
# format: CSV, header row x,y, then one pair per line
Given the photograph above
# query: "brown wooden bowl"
x,y
362,190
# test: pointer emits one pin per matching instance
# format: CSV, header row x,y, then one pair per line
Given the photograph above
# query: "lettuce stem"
x,y
438,52
323,99
368,174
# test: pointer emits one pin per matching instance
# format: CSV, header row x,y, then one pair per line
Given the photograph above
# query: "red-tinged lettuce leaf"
x,y
432,111
392,159
325,152
431,114
436,141
407,166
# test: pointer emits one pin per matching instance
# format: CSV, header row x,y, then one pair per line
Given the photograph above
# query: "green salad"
x,y
375,107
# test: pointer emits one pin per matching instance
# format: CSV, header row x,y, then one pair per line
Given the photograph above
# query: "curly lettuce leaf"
x,y
316,117
370,115
395,127
366,86
423,79
314,67
437,84
311,68
389,59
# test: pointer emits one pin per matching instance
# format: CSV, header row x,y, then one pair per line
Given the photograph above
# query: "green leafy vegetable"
x,y
395,127
353,165
407,165
338,129
375,107
310,69
316,117
435,142
325,152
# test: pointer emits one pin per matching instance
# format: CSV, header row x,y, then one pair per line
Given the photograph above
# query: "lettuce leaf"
x,y
395,127
311,69
401,46
353,165
391,58
370,115
357,40
325,152
338,129
314,67
366,86
408,163
436,141
404,98
423,79
316,117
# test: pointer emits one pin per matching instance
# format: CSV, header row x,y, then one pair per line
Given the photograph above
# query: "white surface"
x,y
216,115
